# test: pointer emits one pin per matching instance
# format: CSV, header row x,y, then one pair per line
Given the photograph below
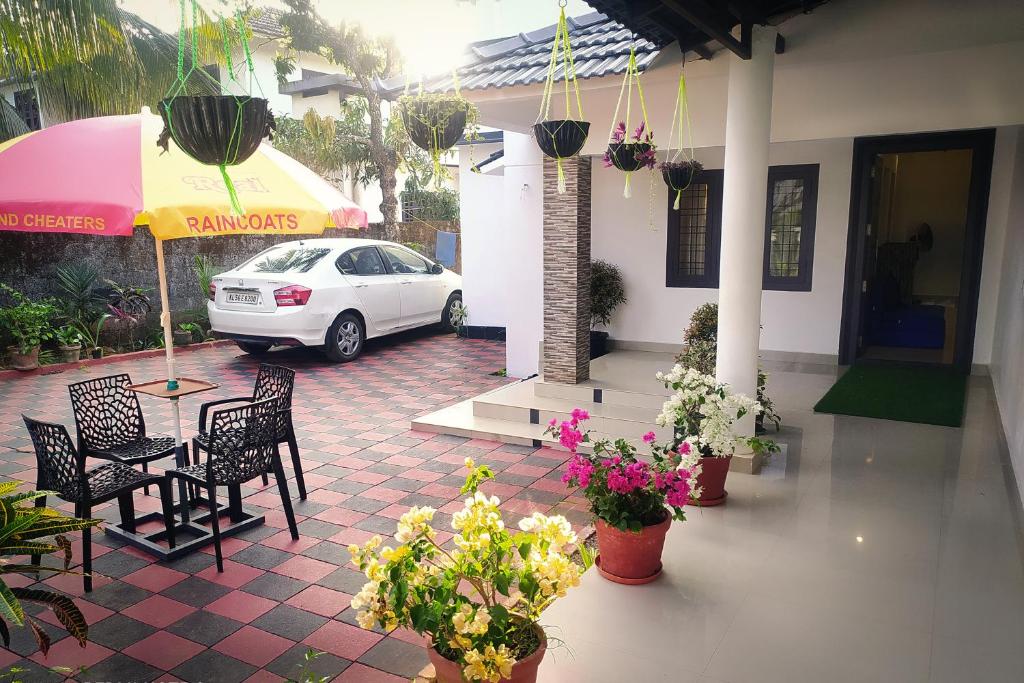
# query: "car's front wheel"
x,y
345,339
253,348
454,313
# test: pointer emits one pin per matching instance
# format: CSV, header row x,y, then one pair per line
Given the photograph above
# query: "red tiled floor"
x,y
164,650
340,441
343,640
241,606
254,646
68,653
320,600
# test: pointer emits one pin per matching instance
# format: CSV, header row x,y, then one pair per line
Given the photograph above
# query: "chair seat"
x,y
145,449
223,474
111,479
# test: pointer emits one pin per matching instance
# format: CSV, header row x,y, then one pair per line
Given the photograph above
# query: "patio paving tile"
x,y
214,666
261,556
283,540
164,650
290,622
360,673
397,657
320,600
205,627
343,640
118,667
158,611
274,586
253,645
241,606
304,568
322,664
195,591
154,577
234,575
118,631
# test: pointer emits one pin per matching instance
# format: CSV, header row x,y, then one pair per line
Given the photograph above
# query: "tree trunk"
x,y
385,160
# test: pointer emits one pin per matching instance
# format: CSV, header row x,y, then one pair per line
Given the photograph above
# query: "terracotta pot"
x,y
181,337
523,671
631,558
23,361
711,479
70,354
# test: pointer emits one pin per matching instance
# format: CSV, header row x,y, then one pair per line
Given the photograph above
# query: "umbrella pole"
x,y
172,378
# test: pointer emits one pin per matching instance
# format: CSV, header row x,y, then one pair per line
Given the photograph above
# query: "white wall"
x,y
1007,366
805,322
483,234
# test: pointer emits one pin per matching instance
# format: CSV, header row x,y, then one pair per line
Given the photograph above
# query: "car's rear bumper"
x,y
282,327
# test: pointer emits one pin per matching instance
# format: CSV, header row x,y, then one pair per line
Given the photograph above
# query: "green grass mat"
x,y
908,394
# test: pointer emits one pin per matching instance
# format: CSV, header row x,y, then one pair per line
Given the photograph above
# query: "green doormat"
x,y
908,394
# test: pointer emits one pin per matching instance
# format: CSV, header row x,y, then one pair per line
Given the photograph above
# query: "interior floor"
x,y
899,353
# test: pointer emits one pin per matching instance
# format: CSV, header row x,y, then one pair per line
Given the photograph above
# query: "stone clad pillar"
x,y
567,272
747,134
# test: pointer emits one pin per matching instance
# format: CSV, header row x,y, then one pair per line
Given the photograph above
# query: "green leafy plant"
x,y
195,329
91,331
77,284
204,271
27,323
68,335
703,324
306,674
511,578
607,291
23,530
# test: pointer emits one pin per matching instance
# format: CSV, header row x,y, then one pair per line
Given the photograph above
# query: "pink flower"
x,y
649,437
579,414
553,423
570,437
607,160
639,132
579,469
684,448
619,134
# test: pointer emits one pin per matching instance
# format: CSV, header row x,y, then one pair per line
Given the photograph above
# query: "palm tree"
x,y
92,58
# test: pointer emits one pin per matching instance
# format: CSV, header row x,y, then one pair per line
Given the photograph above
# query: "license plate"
x,y
251,299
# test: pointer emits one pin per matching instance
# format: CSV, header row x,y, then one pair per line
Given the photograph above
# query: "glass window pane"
x,y
403,261
786,222
288,260
693,229
367,261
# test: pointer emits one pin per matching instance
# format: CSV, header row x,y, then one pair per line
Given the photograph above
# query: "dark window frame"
x,y
802,282
713,178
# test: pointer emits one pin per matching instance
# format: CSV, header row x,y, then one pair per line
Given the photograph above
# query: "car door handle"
x,y
406,282
360,286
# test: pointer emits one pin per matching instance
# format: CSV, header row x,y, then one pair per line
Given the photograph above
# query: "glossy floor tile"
x,y
868,550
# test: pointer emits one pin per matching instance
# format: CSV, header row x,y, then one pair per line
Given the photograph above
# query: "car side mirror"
x,y
436,269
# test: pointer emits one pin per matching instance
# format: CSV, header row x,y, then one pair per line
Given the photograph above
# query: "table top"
x,y
186,386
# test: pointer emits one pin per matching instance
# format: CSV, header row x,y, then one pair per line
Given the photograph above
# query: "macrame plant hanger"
x,y
433,129
217,130
629,151
561,138
680,168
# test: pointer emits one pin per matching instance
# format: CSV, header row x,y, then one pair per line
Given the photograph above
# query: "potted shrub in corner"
x,y
186,334
703,413
69,342
27,325
633,501
607,292
490,631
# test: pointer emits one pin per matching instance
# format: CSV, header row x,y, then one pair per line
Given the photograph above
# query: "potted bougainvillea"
x,y
634,501
478,603
703,414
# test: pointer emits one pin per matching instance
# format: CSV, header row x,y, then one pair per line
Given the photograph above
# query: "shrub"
x,y
27,324
607,291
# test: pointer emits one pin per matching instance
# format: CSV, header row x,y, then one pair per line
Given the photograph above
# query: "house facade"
x,y
888,131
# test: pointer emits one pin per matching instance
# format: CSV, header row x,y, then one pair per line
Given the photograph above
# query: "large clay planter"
x,y
23,361
631,558
523,671
70,353
711,480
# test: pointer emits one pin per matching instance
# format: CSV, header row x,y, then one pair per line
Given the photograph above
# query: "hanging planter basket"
x,y
681,168
217,130
629,156
435,123
561,139
630,150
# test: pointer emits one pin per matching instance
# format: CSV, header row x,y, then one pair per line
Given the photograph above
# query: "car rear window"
x,y
295,259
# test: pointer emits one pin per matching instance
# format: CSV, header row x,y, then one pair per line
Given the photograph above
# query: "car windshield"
x,y
291,259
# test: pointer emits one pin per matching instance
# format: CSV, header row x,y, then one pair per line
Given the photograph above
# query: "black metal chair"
x,y
241,445
272,381
61,469
110,424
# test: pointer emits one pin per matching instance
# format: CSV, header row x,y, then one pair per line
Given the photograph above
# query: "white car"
x,y
331,293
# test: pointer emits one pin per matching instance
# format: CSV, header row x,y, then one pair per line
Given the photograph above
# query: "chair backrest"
x,y
275,381
60,468
107,414
242,441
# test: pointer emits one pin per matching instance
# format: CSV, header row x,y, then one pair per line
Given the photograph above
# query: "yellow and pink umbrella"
x,y
106,176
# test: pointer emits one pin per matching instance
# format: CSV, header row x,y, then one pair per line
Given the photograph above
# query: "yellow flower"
x,y
396,555
366,620
469,463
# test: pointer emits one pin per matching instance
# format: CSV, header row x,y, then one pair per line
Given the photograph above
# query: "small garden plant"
x,y
27,323
479,602
626,492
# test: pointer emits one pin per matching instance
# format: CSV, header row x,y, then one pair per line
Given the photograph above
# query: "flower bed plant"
x,y
478,603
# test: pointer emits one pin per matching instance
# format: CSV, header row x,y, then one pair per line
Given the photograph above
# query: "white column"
x,y
747,131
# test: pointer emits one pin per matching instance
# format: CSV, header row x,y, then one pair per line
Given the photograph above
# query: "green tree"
x,y
367,60
91,58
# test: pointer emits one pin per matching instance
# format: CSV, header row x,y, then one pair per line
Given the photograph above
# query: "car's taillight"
x,y
212,291
292,295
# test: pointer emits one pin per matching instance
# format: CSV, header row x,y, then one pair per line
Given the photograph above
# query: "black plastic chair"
x,y
110,425
272,381
241,445
61,469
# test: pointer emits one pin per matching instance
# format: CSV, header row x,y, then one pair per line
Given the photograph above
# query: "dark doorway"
x,y
917,228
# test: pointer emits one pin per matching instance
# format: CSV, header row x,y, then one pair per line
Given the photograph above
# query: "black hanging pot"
x,y
434,125
218,130
679,174
624,155
562,138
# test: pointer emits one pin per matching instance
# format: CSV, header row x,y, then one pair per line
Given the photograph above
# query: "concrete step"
x,y
593,392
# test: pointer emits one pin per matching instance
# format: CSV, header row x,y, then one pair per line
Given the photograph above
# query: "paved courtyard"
x,y
278,598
